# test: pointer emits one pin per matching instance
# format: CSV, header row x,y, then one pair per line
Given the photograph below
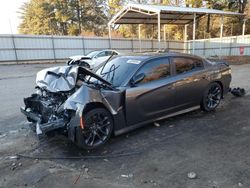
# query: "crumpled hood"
x,y
64,82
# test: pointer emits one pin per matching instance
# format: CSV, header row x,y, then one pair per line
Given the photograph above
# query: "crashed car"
x,y
93,59
127,92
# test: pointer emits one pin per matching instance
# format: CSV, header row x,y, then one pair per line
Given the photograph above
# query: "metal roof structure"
x,y
165,15
147,14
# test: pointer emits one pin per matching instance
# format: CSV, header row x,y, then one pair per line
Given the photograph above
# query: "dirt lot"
x,y
213,145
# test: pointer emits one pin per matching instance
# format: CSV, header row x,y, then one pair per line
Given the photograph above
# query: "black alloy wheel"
x,y
98,127
212,97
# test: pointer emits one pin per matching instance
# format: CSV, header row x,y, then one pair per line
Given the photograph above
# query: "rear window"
x,y
183,65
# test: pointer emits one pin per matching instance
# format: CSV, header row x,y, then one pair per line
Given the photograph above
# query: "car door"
x,y
189,81
153,96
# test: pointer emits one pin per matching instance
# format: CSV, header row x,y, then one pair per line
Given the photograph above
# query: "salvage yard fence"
x,y
19,48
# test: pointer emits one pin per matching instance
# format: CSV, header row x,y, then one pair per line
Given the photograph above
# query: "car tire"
x,y
98,128
211,97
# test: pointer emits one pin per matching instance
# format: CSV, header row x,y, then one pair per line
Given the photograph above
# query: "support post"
x,y
140,36
132,45
83,45
221,33
110,46
185,38
159,30
194,31
165,38
14,47
185,32
164,30
244,27
53,48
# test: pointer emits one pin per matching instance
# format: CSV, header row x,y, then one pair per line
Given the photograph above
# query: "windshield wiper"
x,y
107,62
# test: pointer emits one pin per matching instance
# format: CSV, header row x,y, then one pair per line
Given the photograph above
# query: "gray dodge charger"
x,y
124,93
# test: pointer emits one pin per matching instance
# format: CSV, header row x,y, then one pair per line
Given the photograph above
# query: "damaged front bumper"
x,y
42,128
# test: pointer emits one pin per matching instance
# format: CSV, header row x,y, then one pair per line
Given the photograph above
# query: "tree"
x,y
239,5
63,17
37,18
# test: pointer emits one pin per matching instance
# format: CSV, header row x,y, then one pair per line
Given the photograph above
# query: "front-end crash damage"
x,y
87,97
63,94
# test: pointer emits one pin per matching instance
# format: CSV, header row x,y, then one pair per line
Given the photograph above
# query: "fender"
x,y
113,100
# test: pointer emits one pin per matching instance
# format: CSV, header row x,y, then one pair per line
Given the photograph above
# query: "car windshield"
x,y
118,69
92,54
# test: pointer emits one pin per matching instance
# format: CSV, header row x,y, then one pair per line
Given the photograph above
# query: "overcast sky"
x,y
9,15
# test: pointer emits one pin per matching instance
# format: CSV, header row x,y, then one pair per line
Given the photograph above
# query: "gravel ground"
x,y
213,145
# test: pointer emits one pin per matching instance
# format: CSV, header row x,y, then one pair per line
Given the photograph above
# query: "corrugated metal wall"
x,y
15,48
228,46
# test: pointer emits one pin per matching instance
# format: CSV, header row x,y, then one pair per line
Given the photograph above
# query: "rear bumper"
x,y
45,127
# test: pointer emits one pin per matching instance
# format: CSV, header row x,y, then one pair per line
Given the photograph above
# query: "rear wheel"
x,y
97,129
211,97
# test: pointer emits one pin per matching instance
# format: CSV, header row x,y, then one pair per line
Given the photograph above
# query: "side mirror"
x,y
136,79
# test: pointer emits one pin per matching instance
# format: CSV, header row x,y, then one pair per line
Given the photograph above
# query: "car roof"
x,y
104,50
152,55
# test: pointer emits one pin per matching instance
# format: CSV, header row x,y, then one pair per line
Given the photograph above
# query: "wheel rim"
x,y
97,129
213,97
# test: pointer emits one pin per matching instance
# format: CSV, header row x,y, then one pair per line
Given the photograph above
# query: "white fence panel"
x,y
227,46
96,43
32,47
68,43
7,55
25,42
6,42
38,54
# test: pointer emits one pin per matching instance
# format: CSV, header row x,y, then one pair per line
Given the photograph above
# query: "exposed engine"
x,y
46,104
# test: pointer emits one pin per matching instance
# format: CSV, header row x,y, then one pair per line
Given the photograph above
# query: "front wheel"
x,y
97,129
211,97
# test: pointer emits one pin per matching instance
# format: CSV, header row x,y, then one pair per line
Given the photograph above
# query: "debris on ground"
x,y
13,166
77,178
238,92
127,175
192,175
157,124
13,157
13,131
240,184
2,135
86,170
153,182
104,152
213,184
171,126
150,181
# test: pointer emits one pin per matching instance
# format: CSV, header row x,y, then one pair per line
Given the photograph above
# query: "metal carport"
x,y
156,14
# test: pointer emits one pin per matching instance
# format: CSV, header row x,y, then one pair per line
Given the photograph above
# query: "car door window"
x,y
155,70
101,54
183,65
